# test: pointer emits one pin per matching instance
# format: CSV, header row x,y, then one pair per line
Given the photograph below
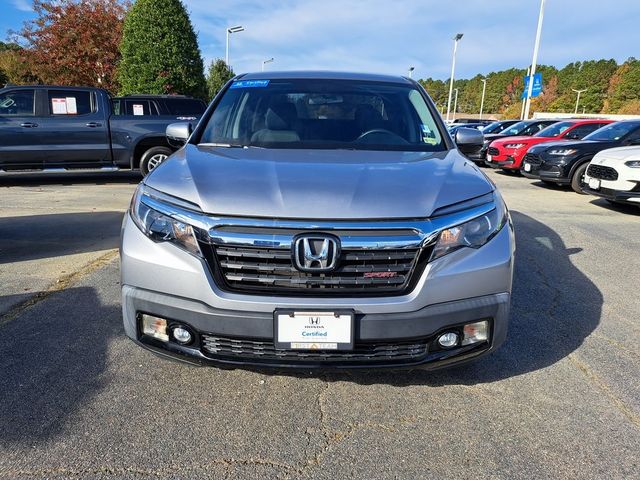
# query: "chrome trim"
x,y
426,230
57,171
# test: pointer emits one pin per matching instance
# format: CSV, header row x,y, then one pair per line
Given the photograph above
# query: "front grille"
x,y
265,351
602,172
533,159
249,269
493,151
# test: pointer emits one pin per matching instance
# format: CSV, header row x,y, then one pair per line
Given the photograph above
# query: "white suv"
x,y
614,174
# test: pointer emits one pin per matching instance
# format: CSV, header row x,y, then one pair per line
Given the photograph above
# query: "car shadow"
x,y
36,180
43,236
617,207
53,362
554,307
553,186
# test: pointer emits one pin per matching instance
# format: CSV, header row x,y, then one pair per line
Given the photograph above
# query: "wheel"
x,y
152,158
577,181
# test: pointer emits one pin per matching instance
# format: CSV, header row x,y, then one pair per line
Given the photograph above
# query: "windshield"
x,y
493,127
310,113
612,132
185,106
515,129
554,130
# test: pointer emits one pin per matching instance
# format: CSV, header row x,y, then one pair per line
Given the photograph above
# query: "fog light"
x,y
155,327
448,340
475,332
182,335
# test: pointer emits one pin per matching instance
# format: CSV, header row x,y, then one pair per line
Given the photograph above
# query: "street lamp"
x,y
535,61
455,104
230,30
484,88
264,62
456,39
411,69
578,99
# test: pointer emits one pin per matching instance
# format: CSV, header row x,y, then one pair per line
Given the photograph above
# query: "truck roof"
x,y
151,95
324,75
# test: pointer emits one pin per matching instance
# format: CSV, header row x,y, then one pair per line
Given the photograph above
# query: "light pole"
x,y
230,30
455,104
524,101
536,47
484,88
456,39
411,69
264,62
578,99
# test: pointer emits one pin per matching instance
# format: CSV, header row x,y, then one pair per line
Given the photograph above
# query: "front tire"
x,y
152,158
577,180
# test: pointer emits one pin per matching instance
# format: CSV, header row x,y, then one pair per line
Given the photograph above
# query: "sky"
x,y
390,36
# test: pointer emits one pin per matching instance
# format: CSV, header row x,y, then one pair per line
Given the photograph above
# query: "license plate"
x,y
489,158
313,330
527,167
594,183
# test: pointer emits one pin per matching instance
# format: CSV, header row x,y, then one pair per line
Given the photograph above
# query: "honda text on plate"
x,y
316,219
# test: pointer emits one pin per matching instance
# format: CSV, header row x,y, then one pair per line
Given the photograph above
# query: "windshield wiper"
x,y
225,145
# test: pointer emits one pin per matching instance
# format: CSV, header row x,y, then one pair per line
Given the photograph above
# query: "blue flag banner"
x,y
537,86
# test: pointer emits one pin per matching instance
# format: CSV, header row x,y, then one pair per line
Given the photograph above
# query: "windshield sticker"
x,y
250,84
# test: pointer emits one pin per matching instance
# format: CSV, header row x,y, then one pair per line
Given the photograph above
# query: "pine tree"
x,y
219,74
160,53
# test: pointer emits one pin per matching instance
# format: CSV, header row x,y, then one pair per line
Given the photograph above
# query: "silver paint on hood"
x,y
318,184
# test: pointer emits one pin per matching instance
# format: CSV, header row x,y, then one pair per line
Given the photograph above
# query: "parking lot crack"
x,y
595,379
60,284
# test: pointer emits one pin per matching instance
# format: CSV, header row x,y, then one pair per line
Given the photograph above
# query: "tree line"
x,y
148,46
610,88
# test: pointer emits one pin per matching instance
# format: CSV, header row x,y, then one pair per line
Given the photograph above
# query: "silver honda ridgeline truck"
x,y
318,219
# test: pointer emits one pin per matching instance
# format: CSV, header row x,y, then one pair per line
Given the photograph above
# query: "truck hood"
x,y
318,184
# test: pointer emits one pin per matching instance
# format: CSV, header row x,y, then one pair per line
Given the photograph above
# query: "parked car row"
x,y
595,156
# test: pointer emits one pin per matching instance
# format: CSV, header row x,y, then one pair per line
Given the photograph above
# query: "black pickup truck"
x,y
57,129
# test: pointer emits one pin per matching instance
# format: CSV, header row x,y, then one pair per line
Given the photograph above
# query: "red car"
x,y
507,153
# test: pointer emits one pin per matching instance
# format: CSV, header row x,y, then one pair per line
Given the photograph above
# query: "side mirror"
x,y
469,140
178,133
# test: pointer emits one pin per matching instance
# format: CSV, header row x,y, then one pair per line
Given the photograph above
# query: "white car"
x,y
614,174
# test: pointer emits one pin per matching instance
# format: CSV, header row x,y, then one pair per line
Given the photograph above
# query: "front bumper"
x,y
238,329
620,196
465,286
550,173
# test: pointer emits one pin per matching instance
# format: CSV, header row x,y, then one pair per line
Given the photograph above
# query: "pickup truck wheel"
x,y
152,158
577,180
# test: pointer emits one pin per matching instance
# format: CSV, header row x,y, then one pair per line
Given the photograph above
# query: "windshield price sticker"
x,y
314,330
250,84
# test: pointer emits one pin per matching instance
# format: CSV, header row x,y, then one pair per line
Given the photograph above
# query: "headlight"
x,y
563,152
474,233
161,227
633,163
514,145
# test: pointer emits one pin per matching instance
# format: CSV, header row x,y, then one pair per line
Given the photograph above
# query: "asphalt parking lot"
x,y
561,399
